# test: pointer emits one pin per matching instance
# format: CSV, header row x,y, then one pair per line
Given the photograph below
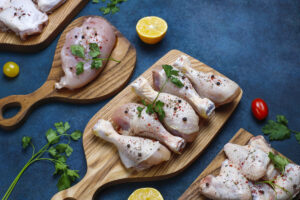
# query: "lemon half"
x,y
151,29
146,194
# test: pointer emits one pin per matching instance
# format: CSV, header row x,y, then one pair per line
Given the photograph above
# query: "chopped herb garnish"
x,y
140,109
79,68
278,161
77,50
111,7
94,50
97,63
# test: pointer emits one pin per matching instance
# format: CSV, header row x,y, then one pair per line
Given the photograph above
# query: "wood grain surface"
x,y
103,164
111,80
57,21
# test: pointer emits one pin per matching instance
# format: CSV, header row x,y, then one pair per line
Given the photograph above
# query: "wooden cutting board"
x,y
242,137
57,21
103,164
111,80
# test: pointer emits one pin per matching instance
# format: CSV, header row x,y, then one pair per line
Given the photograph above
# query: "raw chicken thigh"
x,y
262,191
130,123
208,85
203,106
253,162
22,17
180,118
48,6
94,30
135,152
229,185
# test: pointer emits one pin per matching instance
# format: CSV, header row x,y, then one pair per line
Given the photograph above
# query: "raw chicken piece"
x,y
22,17
262,191
93,30
135,152
290,181
48,6
214,87
259,142
253,162
229,185
180,118
130,123
203,106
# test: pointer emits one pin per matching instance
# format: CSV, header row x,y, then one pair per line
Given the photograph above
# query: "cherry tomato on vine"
x,y
11,69
259,109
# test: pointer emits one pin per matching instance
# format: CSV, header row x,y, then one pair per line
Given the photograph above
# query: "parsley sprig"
x,y
157,106
58,154
94,51
278,130
111,7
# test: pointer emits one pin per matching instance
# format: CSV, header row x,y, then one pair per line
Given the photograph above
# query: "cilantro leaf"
x,y
25,141
76,135
62,127
115,10
144,102
97,63
95,1
61,158
281,119
297,135
61,148
60,167
167,69
278,161
149,109
94,50
104,10
52,136
64,182
77,50
159,110
79,68
177,82
140,109
73,174
52,151
276,131
69,150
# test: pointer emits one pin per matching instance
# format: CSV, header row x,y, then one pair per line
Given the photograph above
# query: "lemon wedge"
x,y
146,194
151,29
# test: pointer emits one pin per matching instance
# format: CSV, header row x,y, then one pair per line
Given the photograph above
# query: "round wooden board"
x,y
103,164
57,21
111,80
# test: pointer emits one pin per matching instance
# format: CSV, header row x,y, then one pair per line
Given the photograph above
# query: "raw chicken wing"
x,y
131,123
135,152
214,87
93,30
203,106
48,6
22,17
253,162
180,118
262,191
229,185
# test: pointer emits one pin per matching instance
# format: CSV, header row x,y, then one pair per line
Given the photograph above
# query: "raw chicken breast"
x,y
130,123
135,152
180,118
208,85
22,17
48,6
259,142
93,30
203,106
262,191
229,185
253,162
290,181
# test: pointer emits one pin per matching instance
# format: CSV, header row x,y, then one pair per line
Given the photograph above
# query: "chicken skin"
x,y
135,152
48,6
180,118
131,122
203,106
229,185
218,89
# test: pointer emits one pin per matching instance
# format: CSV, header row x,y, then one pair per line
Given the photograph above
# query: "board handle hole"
x,y
69,198
10,110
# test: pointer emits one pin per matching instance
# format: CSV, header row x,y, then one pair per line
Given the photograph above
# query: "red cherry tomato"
x,y
259,109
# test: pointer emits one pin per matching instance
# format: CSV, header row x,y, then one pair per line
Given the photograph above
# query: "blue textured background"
x,y
255,43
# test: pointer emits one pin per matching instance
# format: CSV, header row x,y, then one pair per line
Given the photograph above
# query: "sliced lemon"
x,y
151,29
146,194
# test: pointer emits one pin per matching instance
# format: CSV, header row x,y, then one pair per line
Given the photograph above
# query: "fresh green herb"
x,y
274,185
97,63
77,50
278,130
79,68
140,109
177,82
278,161
95,1
94,50
58,153
159,109
111,7
171,74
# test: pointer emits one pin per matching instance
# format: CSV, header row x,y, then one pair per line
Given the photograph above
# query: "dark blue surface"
x,y
255,43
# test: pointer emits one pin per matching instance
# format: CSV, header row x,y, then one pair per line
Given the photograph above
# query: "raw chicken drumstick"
x,y
214,87
203,106
131,122
229,185
135,152
180,118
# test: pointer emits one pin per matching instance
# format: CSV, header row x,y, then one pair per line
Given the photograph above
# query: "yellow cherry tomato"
x,y
11,69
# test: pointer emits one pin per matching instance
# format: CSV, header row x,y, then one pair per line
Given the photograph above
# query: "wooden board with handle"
x,y
103,164
57,21
111,80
